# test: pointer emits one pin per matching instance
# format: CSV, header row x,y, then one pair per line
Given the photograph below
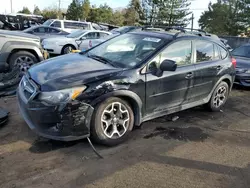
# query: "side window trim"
x,y
195,51
220,47
216,47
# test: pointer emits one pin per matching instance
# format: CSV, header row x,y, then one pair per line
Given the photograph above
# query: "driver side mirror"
x,y
83,38
168,65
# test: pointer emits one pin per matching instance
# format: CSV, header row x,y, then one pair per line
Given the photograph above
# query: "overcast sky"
x,y
197,6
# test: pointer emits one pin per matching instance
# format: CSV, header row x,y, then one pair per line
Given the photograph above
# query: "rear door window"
x,y
93,35
204,51
53,30
41,30
103,35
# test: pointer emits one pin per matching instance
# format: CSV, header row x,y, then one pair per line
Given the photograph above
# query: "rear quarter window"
x,y
223,52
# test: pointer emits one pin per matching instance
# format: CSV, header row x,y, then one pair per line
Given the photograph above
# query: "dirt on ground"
x,y
201,149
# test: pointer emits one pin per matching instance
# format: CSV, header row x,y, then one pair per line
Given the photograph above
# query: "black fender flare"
x,y
135,101
225,77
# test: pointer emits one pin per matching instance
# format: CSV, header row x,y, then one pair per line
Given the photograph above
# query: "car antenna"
x,y
92,146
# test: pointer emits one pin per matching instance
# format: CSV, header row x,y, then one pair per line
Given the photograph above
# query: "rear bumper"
x,y
65,122
242,79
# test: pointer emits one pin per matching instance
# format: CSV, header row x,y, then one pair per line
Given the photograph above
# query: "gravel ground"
x,y
200,149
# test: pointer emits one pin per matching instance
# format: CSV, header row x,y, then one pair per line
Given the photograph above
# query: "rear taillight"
x,y
234,62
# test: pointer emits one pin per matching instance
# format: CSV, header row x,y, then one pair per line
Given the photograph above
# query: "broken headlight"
x,y
61,96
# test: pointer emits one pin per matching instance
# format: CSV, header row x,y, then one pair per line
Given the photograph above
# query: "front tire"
x,y
219,97
112,121
22,59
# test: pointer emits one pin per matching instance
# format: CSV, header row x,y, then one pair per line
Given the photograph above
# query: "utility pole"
x,y
11,6
192,25
59,9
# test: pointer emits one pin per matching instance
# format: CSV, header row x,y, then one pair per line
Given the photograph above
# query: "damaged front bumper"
x,y
65,122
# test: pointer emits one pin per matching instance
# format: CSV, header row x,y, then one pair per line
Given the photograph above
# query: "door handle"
x,y
189,75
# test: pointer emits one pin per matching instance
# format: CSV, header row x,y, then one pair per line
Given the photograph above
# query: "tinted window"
x,y
223,53
41,30
84,26
180,52
75,25
56,24
53,30
92,35
103,35
204,51
243,51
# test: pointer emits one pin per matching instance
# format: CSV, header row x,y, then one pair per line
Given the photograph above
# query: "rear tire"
x,y
112,121
219,97
67,49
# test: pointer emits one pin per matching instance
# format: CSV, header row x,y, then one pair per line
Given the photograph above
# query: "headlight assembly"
x,y
61,96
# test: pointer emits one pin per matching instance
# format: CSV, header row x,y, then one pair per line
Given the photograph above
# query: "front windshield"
x,y
48,22
127,50
76,34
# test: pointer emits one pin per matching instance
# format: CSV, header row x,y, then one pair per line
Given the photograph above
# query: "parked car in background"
x,y
20,49
68,25
242,56
105,91
125,29
77,40
115,32
45,32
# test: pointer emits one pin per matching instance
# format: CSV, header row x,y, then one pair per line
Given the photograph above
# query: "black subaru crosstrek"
x,y
106,91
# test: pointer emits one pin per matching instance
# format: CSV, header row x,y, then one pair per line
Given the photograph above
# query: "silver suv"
x,y
19,49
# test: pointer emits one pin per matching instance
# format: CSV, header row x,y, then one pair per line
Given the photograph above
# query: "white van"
x,y
68,25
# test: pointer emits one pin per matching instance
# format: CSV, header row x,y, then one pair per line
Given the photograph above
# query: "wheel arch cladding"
x,y
130,97
228,82
32,51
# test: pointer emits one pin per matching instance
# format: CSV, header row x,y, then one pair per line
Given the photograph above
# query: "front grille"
x,y
29,88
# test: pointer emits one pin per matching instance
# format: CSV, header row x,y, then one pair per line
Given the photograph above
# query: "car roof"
x,y
174,36
34,27
71,21
158,34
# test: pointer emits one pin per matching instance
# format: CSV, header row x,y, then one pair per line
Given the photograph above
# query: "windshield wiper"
x,y
102,59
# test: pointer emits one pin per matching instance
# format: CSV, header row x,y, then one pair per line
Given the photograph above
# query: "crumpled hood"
x,y
69,71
